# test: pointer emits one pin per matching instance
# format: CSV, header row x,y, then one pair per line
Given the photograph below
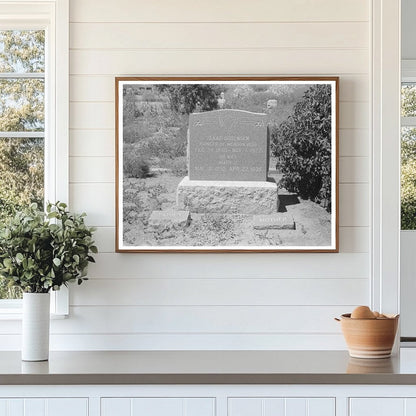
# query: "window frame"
x,y
53,17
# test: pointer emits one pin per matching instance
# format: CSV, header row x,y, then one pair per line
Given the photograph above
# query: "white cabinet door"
x,y
44,407
160,406
254,406
382,407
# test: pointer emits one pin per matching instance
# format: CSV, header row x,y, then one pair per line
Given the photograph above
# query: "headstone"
x,y
228,145
159,220
228,158
277,221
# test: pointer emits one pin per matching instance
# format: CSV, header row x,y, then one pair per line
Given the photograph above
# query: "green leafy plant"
x,y
43,251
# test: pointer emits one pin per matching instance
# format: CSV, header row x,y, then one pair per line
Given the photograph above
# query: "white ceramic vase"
x,y
35,326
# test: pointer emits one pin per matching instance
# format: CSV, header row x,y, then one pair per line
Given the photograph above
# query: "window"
x,y
408,155
22,124
33,111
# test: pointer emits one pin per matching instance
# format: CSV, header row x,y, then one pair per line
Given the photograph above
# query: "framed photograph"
x,y
230,164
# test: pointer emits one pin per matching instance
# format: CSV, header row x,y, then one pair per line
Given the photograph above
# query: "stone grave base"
x,y
224,197
166,220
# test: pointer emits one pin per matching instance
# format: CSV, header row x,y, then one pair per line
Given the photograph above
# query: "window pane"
x,y
408,178
21,173
22,104
408,145
408,100
21,109
22,51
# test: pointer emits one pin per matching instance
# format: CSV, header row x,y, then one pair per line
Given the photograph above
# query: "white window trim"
x,y
385,262
54,15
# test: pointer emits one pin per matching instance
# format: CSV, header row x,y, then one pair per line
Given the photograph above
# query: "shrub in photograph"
x,y
135,166
302,145
187,98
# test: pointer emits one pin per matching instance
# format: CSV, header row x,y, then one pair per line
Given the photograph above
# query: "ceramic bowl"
x,y
369,338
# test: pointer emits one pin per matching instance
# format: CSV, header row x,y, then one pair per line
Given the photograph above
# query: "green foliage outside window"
x,y
408,160
21,110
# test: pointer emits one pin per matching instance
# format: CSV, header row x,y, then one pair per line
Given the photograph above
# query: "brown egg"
x,y
376,314
362,312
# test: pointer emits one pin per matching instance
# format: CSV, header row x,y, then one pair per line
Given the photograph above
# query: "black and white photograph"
x,y
227,164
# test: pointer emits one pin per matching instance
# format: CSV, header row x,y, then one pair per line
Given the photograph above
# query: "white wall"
x,y
214,301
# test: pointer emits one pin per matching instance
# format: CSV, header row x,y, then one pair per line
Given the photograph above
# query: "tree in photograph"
x,y
187,98
302,145
128,106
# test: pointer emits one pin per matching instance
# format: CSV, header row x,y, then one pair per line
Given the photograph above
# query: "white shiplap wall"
x,y
218,301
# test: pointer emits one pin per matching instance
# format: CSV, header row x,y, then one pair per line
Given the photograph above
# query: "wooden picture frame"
x,y
227,164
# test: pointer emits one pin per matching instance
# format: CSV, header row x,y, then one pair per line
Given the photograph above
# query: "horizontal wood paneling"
x,y
273,37
354,205
218,11
354,142
96,199
201,319
352,239
146,342
104,238
219,62
194,320
354,169
354,115
92,88
94,143
92,115
265,265
101,88
89,169
220,291
221,35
